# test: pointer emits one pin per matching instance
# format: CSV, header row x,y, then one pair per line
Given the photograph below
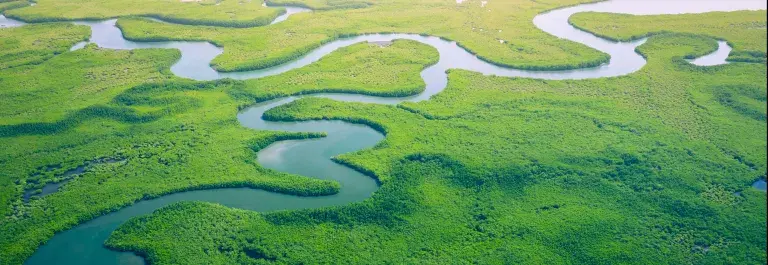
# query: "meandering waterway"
x,y
83,243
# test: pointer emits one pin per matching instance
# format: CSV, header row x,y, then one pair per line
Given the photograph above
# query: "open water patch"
x,y
65,177
760,184
717,57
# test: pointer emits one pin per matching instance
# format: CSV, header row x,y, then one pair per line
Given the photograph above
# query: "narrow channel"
x,y
83,244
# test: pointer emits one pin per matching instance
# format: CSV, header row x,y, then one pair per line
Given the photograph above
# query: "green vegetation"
x,y
361,68
476,28
651,167
34,44
223,13
744,30
323,4
190,141
84,78
170,134
8,5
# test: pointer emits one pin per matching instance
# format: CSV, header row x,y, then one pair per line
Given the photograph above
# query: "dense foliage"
x,y
36,43
323,4
476,27
744,30
222,13
168,135
8,5
83,78
652,167
361,68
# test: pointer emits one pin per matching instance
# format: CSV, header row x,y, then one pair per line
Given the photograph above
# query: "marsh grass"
x,y
653,167
744,30
34,44
174,133
226,13
475,28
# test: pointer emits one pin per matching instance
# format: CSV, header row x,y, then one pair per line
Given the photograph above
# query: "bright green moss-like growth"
x,y
169,135
480,30
8,5
652,167
367,68
172,136
324,4
227,13
744,30
33,44
81,78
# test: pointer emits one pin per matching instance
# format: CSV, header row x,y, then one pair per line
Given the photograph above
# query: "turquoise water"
x,y
760,184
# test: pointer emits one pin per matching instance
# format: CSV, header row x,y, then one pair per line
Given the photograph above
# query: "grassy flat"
x,y
34,44
82,78
326,4
170,134
477,28
227,13
366,68
744,30
643,168
8,5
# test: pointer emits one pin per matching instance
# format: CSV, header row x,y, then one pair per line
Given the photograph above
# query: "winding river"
x,y
83,244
